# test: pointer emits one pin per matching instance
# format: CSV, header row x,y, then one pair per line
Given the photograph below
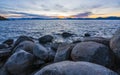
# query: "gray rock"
x,y
25,45
40,51
3,71
66,34
63,52
9,42
2,46
74,68
115,44
5,52
21,39
19,62
101,40
55,46
45,39
92,52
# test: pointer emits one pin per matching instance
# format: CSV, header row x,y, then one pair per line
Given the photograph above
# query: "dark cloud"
x,y
82,15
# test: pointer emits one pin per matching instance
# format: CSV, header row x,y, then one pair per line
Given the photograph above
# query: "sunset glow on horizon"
x,y
59,8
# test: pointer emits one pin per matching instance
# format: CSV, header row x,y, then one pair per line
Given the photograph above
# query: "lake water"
x,y
37,28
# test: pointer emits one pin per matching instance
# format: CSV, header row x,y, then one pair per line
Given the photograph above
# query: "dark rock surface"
x,y
45,39
74,68
19,62
92,52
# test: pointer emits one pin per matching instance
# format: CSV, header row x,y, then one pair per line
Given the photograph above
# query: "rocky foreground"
x,y
89,56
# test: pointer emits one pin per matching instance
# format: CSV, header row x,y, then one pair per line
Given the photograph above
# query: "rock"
x,y
66,34
40,52
21,39
51,55
45,39
101,40
87,35
19,62
63,52
115,44
5,52
25,45
55,46
92,52
74,68
3,71
9,42
2,46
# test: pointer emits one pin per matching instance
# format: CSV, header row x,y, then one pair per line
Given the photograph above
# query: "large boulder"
x,y
92,52
19,62
40,51
63,52
75,68
115,43
25,45
102,40
45,39
21,39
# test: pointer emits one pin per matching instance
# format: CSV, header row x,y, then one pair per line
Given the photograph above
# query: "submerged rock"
x,y
19,62
45,39
92,52
66,34
87,35
74,68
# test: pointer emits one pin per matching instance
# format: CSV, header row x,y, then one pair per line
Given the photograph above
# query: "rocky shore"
x,y
87,56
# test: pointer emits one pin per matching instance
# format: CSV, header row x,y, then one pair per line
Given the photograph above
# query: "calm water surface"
x,y
37,28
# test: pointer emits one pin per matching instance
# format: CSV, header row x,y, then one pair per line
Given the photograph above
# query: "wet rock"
x,y
5,52
87,35
51,55
66,34
63,52
2,46
21,39
45,39
19,62
75,68
25,45
40,51
9,42
3,71
115,44
54,46
92,52
101,40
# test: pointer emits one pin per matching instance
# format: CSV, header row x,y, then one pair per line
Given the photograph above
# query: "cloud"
x,y
82,15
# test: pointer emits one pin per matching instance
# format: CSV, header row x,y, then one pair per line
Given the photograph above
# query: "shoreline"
x,y
35,57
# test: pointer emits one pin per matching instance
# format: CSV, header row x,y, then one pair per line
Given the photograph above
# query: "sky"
x,y
59,8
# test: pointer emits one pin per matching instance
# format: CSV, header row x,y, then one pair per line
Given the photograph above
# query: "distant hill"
x,y
2,18
99,18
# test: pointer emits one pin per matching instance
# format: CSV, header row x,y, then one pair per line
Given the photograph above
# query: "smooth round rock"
x,y
92,52
74,68
40,52
25,45
19,62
